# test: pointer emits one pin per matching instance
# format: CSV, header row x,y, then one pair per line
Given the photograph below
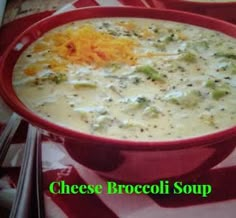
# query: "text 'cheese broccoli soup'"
x,y
131,78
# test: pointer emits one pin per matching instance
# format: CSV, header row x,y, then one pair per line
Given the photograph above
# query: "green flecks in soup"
x,y
131,78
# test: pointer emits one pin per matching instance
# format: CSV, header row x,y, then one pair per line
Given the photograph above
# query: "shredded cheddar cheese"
x,y
182,36
40,47
32,69
127,25
87,45
147,34
156,54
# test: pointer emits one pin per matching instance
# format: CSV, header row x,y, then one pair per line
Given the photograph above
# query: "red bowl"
x,y
125,160
222,10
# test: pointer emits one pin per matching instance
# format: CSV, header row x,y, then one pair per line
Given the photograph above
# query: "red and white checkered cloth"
x,y
57,165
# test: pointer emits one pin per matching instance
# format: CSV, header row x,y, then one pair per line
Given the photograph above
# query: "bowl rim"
x,y
11,99
203,4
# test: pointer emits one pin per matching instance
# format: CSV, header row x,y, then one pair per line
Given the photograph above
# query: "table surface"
x,y
20,8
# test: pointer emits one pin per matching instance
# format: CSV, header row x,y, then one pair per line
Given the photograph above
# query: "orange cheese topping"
x,y
87,45
127,25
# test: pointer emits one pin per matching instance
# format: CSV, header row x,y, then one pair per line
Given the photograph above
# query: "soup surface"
x,y
131,78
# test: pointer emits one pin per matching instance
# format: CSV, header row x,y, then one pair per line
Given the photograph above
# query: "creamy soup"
x,y
139,79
